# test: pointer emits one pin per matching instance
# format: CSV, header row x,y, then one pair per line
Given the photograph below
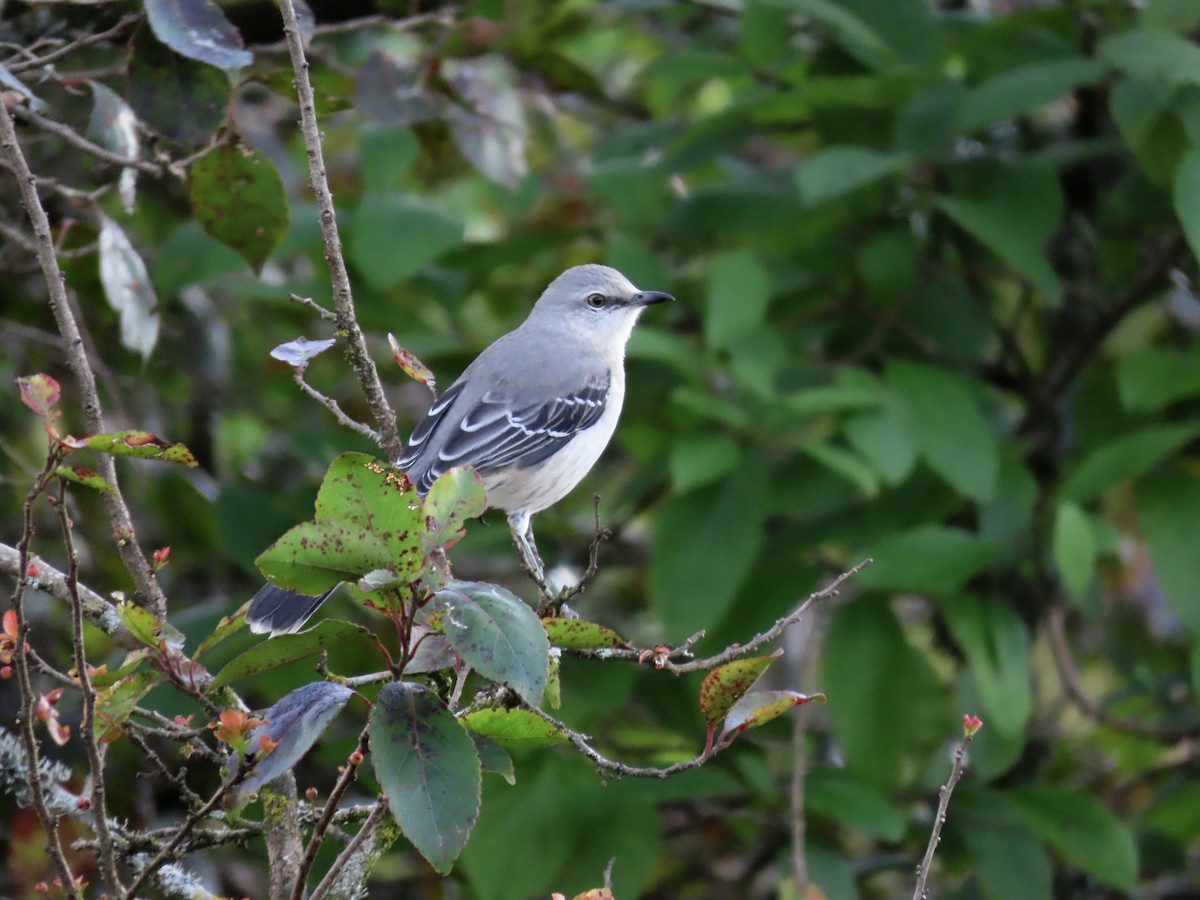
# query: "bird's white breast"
x,y
515,489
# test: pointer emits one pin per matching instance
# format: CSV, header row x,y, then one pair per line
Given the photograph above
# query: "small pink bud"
x,y
356,758
971,724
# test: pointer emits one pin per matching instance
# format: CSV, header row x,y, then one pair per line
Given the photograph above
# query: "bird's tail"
x,y
280,611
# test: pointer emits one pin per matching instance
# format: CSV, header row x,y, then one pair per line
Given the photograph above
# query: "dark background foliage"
x,y
933,265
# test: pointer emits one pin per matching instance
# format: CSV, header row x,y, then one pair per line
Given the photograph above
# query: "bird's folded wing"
x,y
498,431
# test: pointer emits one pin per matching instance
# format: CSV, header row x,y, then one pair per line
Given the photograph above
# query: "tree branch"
x,y
935,836
679,661
343,300
122,523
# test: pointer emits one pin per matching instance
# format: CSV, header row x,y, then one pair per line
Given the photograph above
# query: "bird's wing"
x,y
498,430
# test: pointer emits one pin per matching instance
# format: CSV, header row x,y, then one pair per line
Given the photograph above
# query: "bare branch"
x,y
332,405
28,696
679,659
349,772
1068,674
99,611
326,314
122,523
87,728
343,300
285,846
77,140
444,16
357,847
86,41
935,836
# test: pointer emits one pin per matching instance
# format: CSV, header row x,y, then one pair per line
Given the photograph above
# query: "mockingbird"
x,y
531,414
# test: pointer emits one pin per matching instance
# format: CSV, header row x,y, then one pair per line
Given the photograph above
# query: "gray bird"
x,y
531,414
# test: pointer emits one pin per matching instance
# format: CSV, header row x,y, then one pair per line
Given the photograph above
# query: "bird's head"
x,y
595,300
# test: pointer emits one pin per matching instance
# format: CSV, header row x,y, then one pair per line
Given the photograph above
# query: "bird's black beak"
x,y
646,298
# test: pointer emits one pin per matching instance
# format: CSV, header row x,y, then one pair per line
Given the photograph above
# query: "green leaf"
x,y
578,634
1122,459
84,476
238,197
1075,550
1146,115
757,709
994,640
428,768
392,239
1083,830
314,556
1168,505
886,439
927,560
141,623
949,429
739,290
1186,192
287,648
837,794
365,520
889,710
454,497
699,459
704,545
198,30
1014,212
856,36
180,99
834,171
1150,380
291,727
115,704
140,445
725,685
834,398
1026,88
845,464
515,729
227,626
1178,15
1152,53
497,634
1011,860
493,758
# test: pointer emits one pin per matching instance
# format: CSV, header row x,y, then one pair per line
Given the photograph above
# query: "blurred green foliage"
x,y
934,267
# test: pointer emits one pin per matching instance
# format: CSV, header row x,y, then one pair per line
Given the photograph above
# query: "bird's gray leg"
x,y
521,524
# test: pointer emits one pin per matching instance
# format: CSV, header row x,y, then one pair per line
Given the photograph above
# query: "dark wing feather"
x,y
494,434
281,611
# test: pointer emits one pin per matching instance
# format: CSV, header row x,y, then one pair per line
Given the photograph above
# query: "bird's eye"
x,y
597,301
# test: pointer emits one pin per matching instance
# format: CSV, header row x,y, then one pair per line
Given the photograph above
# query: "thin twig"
x,y
194,818
87,728
122,523
581,743
602,534
1072,684
920,892
326,314
349,772
343,300
332,405
87,40
678,659
76,139
441,16
365,833
28,717
809,667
